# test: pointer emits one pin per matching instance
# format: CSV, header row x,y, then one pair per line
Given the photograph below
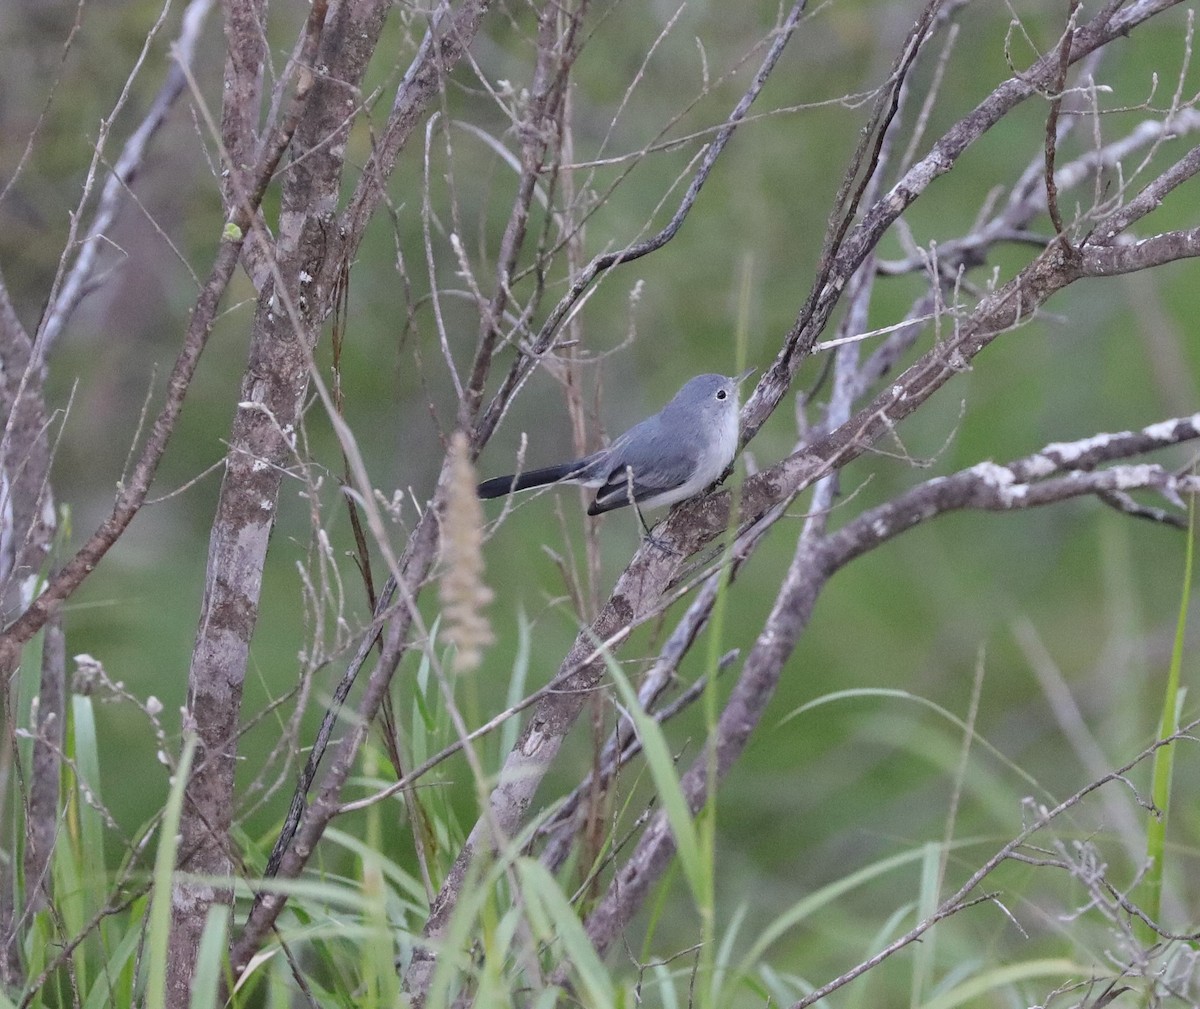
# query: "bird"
x,y
666,458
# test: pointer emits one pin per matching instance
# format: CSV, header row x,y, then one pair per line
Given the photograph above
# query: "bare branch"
x,y
1107,25
450,32
1148,199
245,56
1011,223
985,486
1051,143
132,496
953,904
1169,247
65,299
261,442
584,278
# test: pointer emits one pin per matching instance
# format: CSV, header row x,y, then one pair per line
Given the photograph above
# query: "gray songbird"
x,y
668,457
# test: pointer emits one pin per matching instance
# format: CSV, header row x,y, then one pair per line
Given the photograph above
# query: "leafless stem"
x,y
956,902
585,278
66,297
818,558
876,219
1051,144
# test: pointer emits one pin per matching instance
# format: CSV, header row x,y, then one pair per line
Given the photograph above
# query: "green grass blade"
x,y
379,986
401,880
1164,758
924,951
808,906
507,737
970,992
85,751
210,959
453,951
114,984
666,783
904,695
164,871
537,884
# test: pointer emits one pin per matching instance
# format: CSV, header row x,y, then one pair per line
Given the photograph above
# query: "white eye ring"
x,y
721,394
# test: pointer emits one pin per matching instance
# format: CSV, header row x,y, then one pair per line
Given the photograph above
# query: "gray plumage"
x,y
669,457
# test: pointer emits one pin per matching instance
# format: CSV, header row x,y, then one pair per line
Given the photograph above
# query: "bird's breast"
x,y
722,448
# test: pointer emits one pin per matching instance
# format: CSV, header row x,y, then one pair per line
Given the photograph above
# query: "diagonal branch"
x,y
1025,483
960,898
1150,198
451,30
695,524
133,494
67,297
1105,27
548,332
310,249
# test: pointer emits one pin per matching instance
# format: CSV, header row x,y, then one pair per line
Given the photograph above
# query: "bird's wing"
x,y
644,462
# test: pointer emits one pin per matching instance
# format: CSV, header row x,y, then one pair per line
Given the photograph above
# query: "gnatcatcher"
x,y
668,457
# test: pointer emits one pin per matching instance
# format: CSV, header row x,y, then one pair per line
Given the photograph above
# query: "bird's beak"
x,y
744,375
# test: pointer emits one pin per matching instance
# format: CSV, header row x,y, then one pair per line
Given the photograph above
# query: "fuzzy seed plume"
x,y
463,593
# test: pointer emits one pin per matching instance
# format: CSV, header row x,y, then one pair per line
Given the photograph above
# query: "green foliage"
x,y
344,929
695,860
159,924
830,839
1174,695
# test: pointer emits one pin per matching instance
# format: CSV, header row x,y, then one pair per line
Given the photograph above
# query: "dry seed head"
x,y
463,592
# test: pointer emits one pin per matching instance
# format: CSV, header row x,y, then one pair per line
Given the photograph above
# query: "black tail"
x,y
501,485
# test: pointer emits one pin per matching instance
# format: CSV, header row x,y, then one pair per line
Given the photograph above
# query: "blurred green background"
x,y
817,795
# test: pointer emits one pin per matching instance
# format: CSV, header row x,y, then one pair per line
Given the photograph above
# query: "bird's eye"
x,y
722,394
